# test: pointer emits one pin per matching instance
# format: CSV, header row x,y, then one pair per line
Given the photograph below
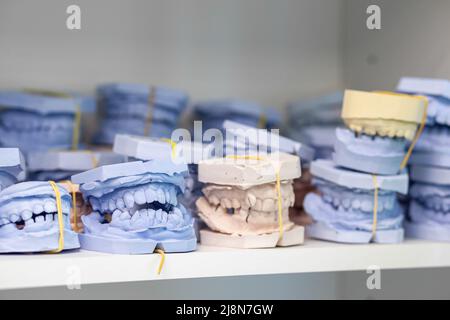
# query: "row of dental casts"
x,y
36,121
256,196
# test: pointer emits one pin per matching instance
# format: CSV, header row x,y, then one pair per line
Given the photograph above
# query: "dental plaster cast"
x,y
37,123
381,126
61,165
343,211
432,146
139,109
213,113
135,208
12,167
29,219
240,203
314,121
429,209
246,140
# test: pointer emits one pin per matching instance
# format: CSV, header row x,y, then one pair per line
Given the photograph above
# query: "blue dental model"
x,y
36,123
135,208
139,109
29,220
12,167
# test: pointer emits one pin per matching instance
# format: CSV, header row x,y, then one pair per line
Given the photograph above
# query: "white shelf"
x,y
42,270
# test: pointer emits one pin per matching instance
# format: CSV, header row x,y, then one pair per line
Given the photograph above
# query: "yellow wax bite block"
x,y
383,113
378,105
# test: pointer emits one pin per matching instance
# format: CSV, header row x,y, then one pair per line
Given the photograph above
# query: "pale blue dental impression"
x,y
429,208
12,167
376,155
136,208
343,212
213,113
29,219
314,121
34,122
435,138
135,108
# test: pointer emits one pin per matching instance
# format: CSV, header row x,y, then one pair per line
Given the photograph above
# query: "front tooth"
x,y
236,204
214,200
356,204
158,216
366,206
336,202
50,207
346,203
111,205
149,195
251,199
161,196
258,205
38,208
151,216
139,197
268,205
129,200
173,196
40,219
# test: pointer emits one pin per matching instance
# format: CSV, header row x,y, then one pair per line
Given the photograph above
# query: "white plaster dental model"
x,y
12,167
381,126
61,165
241,204
37,123
344,209
31,219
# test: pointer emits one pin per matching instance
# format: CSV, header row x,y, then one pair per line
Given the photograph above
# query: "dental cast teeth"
x,y
139,109
29,219
34,122
343,211
135,208
241,201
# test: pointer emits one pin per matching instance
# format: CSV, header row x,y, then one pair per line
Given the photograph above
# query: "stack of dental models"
x,y
135,207
246,201
35,122
357,201
138,110
212,114
12,167
430,163
315,121
246,140
61,165
34,217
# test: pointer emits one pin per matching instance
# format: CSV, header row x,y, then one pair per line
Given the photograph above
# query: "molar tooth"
x,y
346,203
173,196
151,216
327,198
129,200
158,216
40,219
367,206
125,215
336,201
49,206
139,196
38,208
214,200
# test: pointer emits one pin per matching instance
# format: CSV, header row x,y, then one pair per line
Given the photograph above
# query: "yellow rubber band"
x,y
375,206
173,145
277,186
151,105
60,218
74,203
262,123
76,129
163,258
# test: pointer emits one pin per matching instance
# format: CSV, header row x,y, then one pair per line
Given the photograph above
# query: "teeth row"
x,y
442,115
138,196
435,203
143,219
24,210
364,205
30,122
34,224
257,204
383,128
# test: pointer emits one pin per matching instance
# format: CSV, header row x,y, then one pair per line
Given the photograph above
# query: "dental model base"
x,y
61,165
429,209
29,219
135,208
241,205
12,167
344,209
